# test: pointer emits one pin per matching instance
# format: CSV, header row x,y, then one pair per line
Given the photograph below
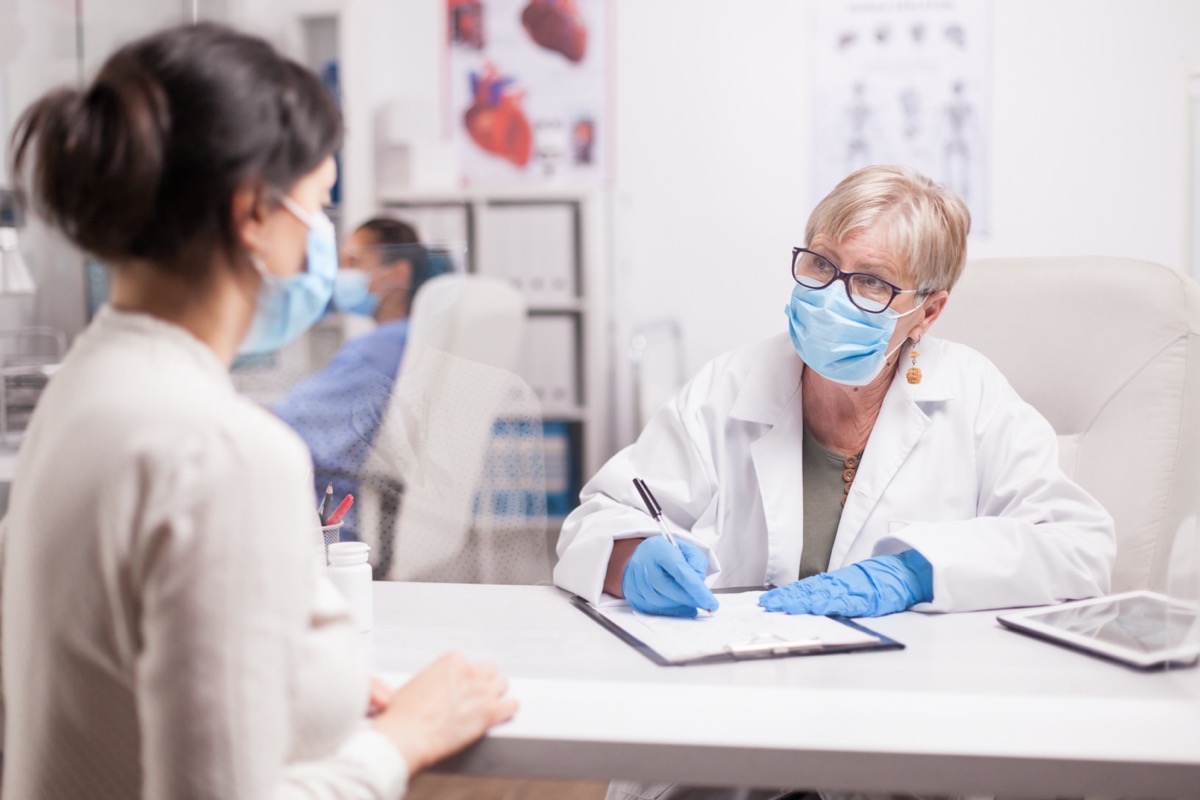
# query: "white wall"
x,y
1088,137
712,163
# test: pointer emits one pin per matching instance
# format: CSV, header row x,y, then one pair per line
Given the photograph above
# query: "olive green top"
x,y
824,488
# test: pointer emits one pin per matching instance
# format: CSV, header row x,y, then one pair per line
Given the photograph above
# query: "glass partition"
x,y
45,44
1194,177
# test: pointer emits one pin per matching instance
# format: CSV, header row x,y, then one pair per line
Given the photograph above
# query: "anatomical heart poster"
x,y
527,91
903,82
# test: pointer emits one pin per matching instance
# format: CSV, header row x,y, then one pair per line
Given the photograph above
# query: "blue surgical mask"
x,y
352,293
288,306
838,339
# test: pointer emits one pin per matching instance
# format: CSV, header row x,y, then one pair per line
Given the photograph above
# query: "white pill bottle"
x,y
351,574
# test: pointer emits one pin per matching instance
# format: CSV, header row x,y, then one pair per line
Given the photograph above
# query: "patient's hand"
x,y
380,696
446,707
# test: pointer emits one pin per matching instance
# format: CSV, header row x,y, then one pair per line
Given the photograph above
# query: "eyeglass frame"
x,y
838,274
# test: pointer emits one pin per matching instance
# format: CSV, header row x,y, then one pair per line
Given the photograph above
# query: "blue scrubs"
x,y
338,411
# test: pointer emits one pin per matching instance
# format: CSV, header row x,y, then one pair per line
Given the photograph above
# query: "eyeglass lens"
x,y
866,291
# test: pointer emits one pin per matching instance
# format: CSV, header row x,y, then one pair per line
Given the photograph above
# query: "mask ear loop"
x,y
912,310
308,218
254,251
256,259
259,263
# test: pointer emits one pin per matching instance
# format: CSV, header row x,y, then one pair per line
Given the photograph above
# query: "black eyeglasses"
x,y
866,291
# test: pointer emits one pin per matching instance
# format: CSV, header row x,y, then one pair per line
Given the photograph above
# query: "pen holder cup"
x,y
330,534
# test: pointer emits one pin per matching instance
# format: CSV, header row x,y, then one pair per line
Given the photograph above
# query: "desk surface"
x,y
969,707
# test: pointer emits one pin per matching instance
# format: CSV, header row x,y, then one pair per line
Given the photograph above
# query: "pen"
x,y
341,510
654,508
325,500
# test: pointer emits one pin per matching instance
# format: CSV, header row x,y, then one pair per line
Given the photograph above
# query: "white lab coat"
x,y
957,467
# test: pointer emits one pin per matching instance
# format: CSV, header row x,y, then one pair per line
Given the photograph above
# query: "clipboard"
x,y
776,639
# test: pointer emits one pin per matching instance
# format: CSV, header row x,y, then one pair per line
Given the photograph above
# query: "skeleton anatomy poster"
x,y
903,82
527,91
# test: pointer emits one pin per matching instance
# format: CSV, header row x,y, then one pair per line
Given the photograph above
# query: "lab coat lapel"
x,y
771,395
901,423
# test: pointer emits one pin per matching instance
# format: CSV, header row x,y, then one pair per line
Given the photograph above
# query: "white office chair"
x,y
437,441
1108,350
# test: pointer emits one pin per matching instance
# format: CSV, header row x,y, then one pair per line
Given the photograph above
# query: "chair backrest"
x,y
472,317
455,382
1108,350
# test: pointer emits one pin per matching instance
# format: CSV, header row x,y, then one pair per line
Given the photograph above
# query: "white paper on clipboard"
x,y
739,622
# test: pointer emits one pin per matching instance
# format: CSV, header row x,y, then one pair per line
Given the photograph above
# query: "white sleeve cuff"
x,y
381,762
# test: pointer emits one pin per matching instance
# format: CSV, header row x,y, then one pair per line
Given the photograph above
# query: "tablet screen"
x,y
1141,623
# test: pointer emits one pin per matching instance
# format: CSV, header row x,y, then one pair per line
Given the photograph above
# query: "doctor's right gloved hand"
x,y
663,579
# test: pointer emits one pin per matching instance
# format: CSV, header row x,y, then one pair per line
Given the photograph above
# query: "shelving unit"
x,y
28,358
548,245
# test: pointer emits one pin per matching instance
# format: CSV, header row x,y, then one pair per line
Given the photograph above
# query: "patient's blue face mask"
x,y
288,306
352,292
838,339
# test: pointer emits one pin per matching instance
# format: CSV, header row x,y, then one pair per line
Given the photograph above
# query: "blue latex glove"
x,y
663,579
871,588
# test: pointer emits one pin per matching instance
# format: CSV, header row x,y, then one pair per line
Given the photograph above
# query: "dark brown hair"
x,y
145,161
387,230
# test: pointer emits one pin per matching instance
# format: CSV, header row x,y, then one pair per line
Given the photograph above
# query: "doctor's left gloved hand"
x,y
871,588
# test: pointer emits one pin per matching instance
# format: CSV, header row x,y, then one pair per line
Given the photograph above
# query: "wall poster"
x,y
527,88
904,82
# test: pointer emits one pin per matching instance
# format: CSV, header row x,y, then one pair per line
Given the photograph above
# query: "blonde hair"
x,y
924,223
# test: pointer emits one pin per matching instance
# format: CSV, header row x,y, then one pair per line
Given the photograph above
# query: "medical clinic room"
x,y
599,399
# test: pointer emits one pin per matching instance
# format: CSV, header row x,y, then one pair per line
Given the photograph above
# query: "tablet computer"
x,y
1142,629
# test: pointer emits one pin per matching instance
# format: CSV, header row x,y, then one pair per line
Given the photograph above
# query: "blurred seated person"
x,y
338,410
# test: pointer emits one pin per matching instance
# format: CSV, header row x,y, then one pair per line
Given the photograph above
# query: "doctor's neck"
x,y
841,417
216,306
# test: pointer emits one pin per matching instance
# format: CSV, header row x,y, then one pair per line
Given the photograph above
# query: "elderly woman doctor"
x,y
856,464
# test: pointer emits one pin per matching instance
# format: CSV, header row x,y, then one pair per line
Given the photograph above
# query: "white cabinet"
x,y
535,246
550,362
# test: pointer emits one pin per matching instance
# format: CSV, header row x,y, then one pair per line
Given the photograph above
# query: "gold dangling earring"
x,y
914,372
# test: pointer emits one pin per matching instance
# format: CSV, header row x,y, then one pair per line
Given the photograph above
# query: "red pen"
x,y
341,510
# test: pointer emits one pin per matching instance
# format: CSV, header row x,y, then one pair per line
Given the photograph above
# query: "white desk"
x,y
968,708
